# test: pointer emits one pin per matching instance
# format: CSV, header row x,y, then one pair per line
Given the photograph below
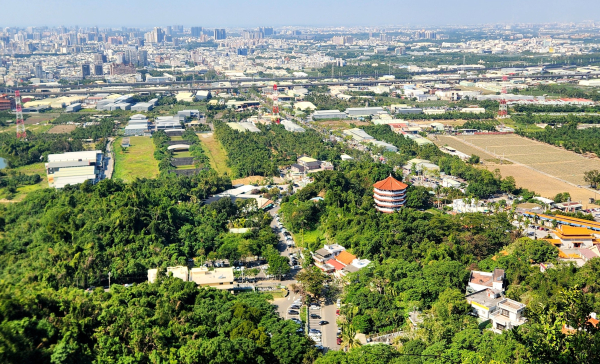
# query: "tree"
x,y
592,177
559,331
418,197
508,185
474,159
278,265
311,280
562,197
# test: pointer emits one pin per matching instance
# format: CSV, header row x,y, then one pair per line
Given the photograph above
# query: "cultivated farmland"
x,y
545,158
536,166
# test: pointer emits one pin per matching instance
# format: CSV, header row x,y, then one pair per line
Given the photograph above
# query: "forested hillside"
x,y
421,261
57,242
261,153
170,321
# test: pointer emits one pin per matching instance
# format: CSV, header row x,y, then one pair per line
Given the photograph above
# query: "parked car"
x,y
314,316
294,307
339,341
314,331
323,322
315,307
293,312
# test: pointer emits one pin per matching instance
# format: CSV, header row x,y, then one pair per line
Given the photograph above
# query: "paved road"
x,y
111,158
329,330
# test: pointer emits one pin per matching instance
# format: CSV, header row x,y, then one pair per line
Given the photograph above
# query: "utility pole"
x,y
109,280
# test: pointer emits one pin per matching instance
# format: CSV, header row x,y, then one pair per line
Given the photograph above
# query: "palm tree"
x,y
349,340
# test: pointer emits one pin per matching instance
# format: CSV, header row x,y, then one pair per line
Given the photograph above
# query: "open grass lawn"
x,y
186,167
24,190
182,154
215,152
138,161
167,109
41,128
310,236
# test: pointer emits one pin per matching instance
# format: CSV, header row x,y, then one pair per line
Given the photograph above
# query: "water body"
x,y
3,163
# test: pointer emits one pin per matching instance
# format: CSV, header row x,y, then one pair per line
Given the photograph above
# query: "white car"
x,y
315,307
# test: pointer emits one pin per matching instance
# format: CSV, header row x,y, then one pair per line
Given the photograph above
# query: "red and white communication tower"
x,y
276,117
20,123
503,110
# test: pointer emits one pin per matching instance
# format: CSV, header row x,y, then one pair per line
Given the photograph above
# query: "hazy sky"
x,y
247,13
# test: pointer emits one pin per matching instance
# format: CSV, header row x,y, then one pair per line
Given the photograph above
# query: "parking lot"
x,y
327,337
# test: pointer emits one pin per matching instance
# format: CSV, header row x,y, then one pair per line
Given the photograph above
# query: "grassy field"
x,y
182,155
310,236
215,152
200,106
24,190
41,128
138,161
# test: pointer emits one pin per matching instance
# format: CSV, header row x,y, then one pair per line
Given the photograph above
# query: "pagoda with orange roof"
x,y
389,195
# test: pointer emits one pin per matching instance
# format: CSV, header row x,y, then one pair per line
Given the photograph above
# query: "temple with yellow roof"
x,y
578,243
571,237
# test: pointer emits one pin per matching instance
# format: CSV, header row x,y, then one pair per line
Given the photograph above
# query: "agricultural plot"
x,y
545,158
545,169
62,129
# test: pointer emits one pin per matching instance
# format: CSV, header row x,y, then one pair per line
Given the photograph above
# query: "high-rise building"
x,y
85,70
120,58
157,35
169,30
220,34
196,31
38,71
342,40
384,37
99,58
98,71
142,58
430,34
266,31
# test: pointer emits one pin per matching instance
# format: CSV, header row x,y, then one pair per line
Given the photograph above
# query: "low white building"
x,y
74,168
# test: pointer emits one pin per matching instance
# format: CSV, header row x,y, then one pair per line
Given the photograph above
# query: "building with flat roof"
x,y
387,146
358,135
291,126
329,114
217,278
74,168
364,111
142,106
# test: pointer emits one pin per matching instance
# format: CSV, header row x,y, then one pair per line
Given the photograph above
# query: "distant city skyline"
x,y
237,13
